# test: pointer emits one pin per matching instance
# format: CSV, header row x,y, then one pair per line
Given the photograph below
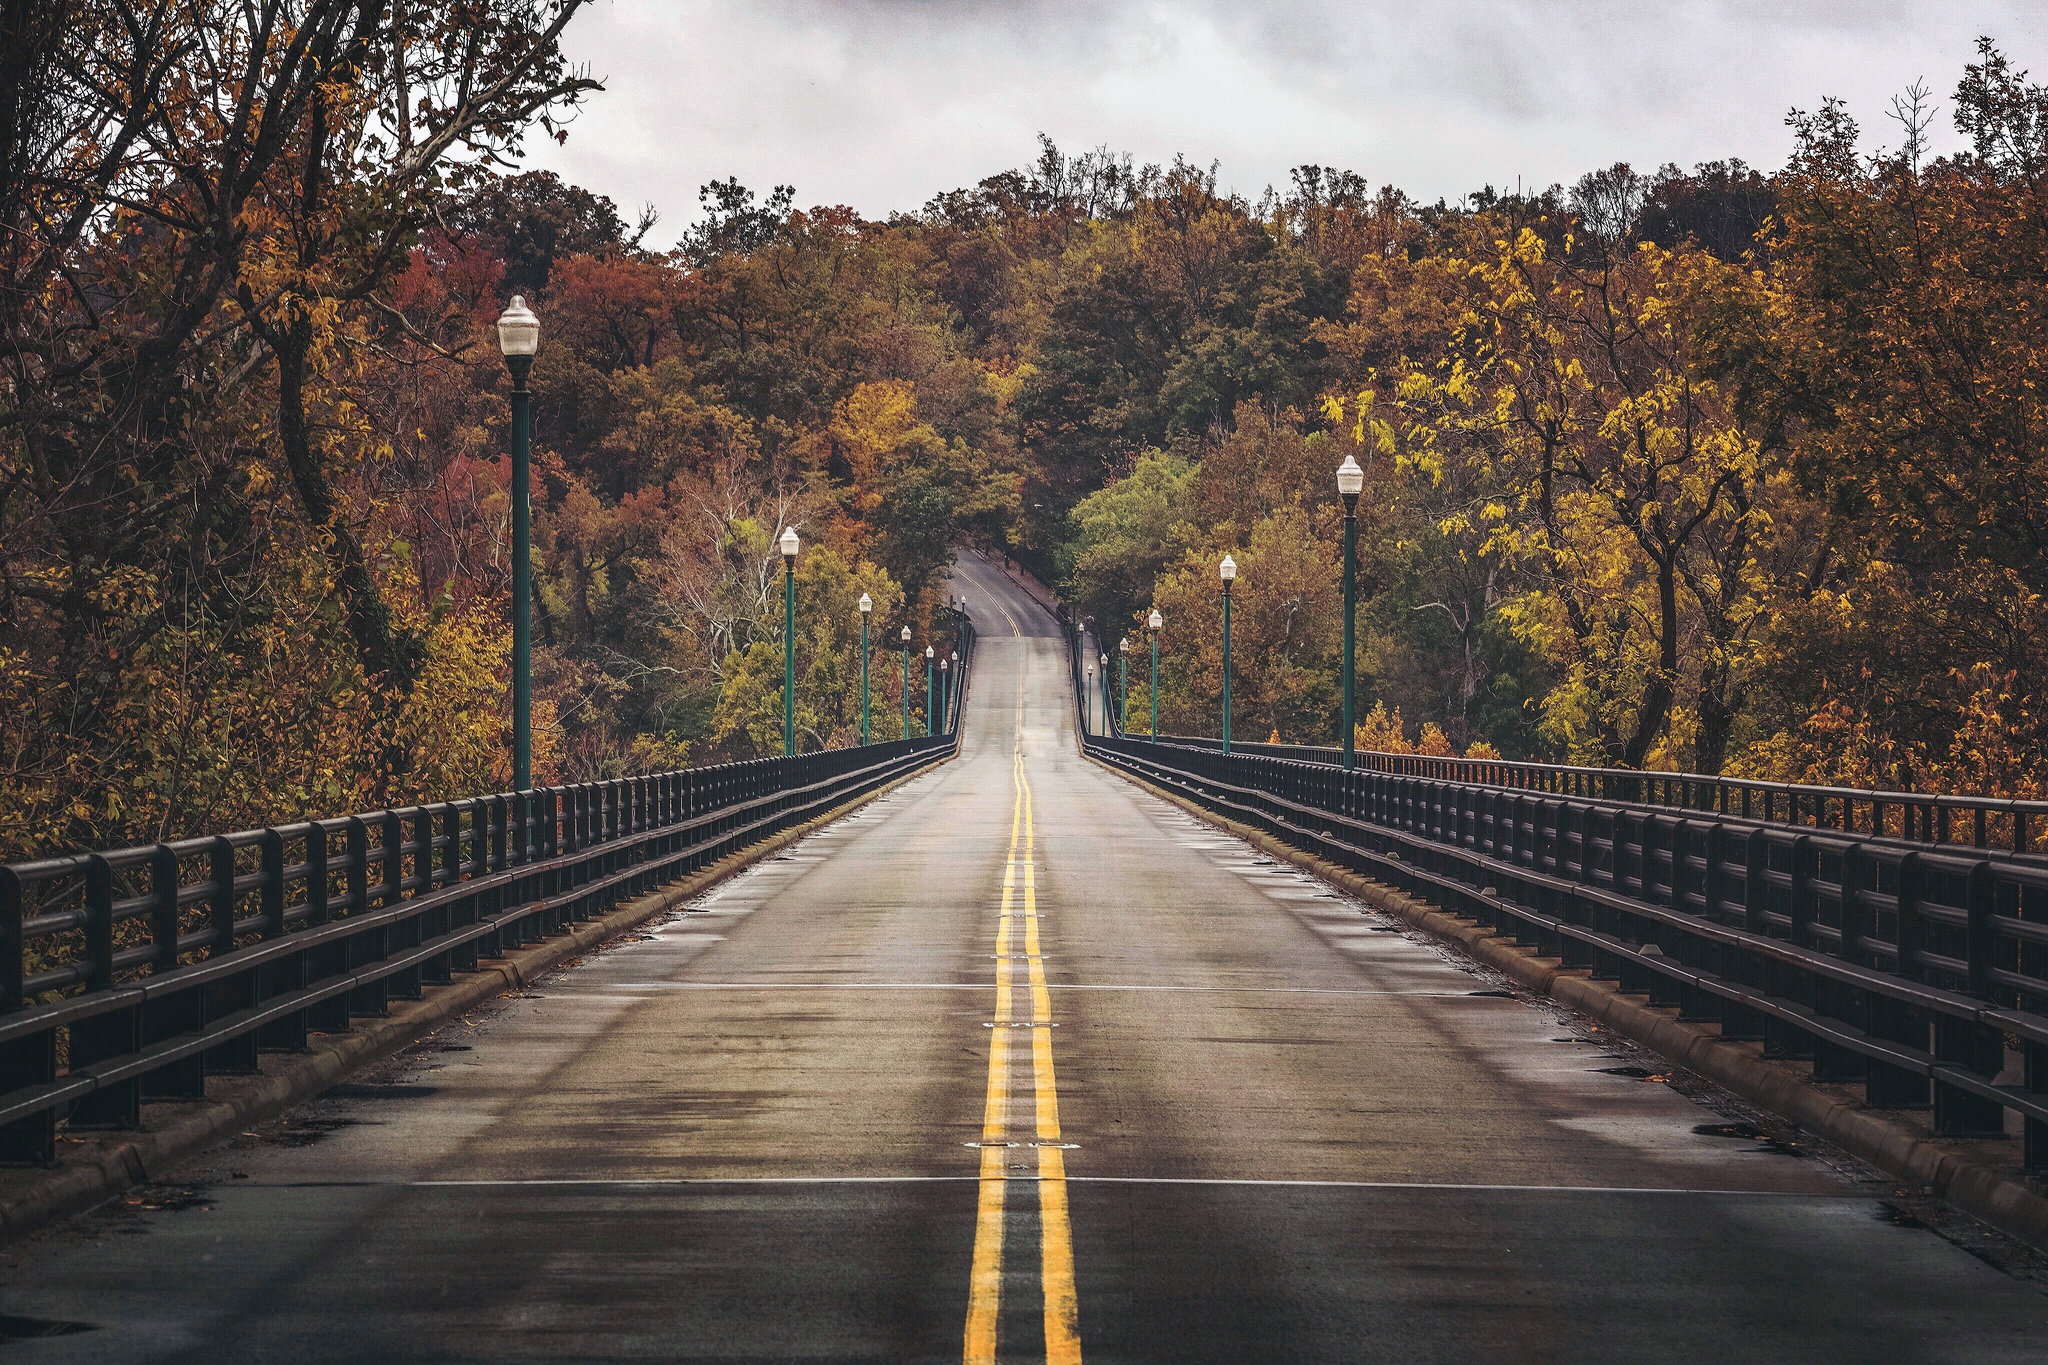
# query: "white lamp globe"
x,y
1350,478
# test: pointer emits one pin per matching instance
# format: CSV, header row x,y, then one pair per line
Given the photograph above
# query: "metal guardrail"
x,y
1919,970
135,974
1915,817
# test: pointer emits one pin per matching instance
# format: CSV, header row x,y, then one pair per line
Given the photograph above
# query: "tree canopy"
x,y
1716,469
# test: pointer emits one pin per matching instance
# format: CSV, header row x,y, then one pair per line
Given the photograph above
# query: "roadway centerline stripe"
x,y
985,1278
1055,1229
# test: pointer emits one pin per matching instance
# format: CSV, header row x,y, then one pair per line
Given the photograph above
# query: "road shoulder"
x,y
91,1169
1949,1170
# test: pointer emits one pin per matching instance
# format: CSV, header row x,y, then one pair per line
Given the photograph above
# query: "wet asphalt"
x,y
1290,1131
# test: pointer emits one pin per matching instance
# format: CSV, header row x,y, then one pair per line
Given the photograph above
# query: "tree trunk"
x,y
389,652
1718,705
1656,707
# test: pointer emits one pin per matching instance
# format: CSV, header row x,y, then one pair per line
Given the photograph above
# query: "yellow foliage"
x,y
1381,732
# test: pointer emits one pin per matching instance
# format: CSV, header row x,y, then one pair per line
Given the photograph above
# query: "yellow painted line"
x,y
1015,629
1055,1230
985,1280
1056,1236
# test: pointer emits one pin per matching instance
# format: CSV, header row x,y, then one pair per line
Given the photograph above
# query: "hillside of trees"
x,y
1716,469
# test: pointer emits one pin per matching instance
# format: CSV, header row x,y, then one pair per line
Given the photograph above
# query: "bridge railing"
x,y
1920,970
135,973
1915,817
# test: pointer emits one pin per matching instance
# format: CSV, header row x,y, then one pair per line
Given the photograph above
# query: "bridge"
x,y
1023,1044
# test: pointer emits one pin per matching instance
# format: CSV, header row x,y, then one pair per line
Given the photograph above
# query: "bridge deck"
x,y
1262,1127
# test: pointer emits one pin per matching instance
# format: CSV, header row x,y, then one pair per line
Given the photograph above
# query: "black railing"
x,y
135,974
1918,969
1915,817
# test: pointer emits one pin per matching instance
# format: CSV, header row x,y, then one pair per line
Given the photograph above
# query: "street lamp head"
x,y
518,329
789,542
1123,646
942,665
1155,620
927,651
956,656
906,635
1228,568
1350,478
1105,660
867,604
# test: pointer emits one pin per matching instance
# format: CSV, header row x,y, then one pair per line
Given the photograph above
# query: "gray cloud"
x,y
882,103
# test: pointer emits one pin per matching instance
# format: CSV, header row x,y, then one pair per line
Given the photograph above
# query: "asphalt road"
x,y
1016,1063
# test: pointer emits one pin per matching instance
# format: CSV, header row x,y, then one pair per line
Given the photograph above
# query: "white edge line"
x,y
1220,1181
1051,985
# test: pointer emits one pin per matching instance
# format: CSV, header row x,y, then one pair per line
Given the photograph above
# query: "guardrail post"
x,y
1855,923
31,1060
1891,1087
286,974
237,1056
163,913
410,931
1965,1044
335,1018
1752,853
13,949
117,1032
1782,1039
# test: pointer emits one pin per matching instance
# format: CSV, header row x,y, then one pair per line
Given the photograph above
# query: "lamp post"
x,y
1123,683
944,689
519,338
1229,572
906,682
789,549
867,609
1105,693
928,656
1088,699
1350,483
1152,625
953,687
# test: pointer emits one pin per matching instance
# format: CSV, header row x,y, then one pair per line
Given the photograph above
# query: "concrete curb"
x,y
1965,1180
100,1169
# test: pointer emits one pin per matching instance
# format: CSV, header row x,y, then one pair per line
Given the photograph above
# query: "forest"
x,y
1721,469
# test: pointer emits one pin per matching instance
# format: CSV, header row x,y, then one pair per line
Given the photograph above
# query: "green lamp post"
x,y
867,608
1350,483
945,691
1152,625
1088,699
906,682
928,677
789,549
519,338
1229,572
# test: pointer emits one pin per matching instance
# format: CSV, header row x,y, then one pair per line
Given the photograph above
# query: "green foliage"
x,y
828,591
1126,533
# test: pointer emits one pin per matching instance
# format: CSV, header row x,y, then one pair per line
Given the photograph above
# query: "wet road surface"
x,y
1015,1063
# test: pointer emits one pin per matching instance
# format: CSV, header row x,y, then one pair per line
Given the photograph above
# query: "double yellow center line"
x,y
1055,1231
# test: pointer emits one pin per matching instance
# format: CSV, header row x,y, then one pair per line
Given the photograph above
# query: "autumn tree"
x,y
203,205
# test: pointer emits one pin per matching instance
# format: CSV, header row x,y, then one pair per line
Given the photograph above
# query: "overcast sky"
x,y
882,103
